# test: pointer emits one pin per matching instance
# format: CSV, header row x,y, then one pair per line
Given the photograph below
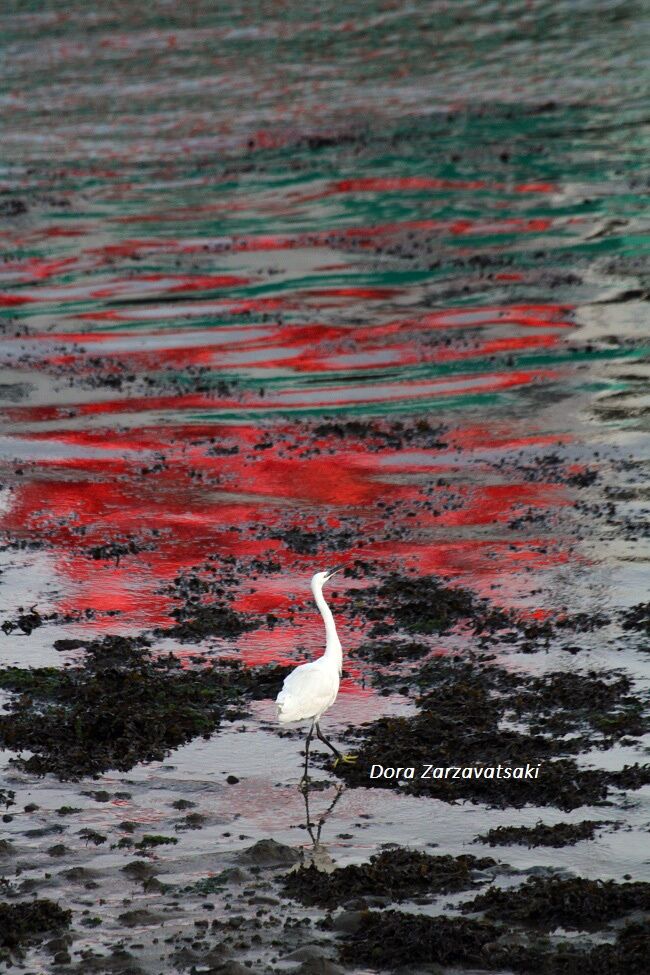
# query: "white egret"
x,y
310,689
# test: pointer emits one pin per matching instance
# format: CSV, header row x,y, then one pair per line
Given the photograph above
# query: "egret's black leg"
x,y
321,736
309,737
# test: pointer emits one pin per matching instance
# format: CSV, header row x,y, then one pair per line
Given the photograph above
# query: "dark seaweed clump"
x,y
119,707
313,543
386,652
554,901
397,874
25,622
195,623
378,435
461,724
19,923
204,604
425,605
561,834
7,797
563,702
386,939
637,618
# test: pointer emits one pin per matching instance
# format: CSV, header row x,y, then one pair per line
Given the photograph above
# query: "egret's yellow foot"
x,y
346,759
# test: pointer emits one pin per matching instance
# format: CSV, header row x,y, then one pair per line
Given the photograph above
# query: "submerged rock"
x,y
138,917
268,853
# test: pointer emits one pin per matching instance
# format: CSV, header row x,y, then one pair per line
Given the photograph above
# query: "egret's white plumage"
x,y
310,689
307,692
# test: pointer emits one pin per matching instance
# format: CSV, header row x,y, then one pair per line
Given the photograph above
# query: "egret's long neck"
x,y
332,642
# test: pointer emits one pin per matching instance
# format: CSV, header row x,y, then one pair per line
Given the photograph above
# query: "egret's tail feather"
x,y
288,708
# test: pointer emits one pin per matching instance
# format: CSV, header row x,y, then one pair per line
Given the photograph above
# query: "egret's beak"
x,y
330,572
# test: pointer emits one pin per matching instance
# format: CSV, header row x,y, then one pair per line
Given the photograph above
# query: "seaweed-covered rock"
x,y
204,608
386,652
387,940
25,622
383,433
7,797
20,923
554,901
315,542
563,702
541,834
398,874
195,623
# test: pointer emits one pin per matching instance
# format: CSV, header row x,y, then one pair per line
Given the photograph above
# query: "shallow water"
x,y
219,227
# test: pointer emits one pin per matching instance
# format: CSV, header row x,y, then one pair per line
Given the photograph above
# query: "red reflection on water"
x,y
37,268
200,505
493,503
390,184
499,435
144,284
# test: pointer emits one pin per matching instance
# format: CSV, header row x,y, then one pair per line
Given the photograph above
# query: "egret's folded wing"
x,y
306,692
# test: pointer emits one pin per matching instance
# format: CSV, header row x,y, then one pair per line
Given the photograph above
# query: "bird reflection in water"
x,y
318,855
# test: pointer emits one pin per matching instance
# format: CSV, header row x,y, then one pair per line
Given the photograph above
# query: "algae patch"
x,y
120,706
480,715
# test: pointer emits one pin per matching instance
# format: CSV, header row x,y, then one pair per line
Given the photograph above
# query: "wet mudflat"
x,y
344,285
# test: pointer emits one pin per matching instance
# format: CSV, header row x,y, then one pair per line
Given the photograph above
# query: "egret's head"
x,y
321,578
